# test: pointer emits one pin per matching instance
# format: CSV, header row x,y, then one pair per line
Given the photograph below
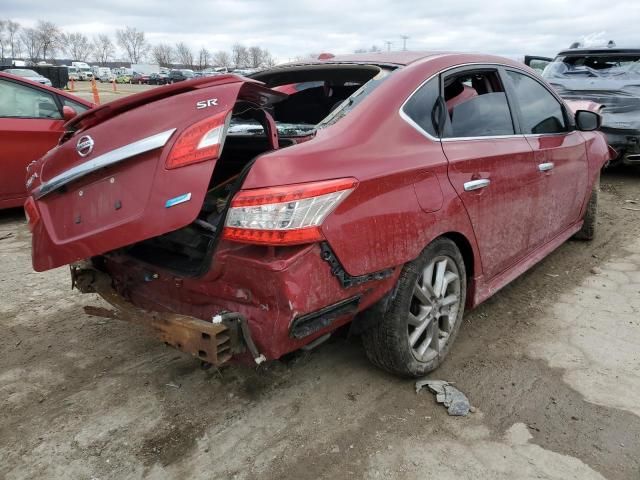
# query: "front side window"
x,y
476,105
540,111
20,101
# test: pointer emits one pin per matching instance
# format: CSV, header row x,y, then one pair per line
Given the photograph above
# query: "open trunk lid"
x,y
108,184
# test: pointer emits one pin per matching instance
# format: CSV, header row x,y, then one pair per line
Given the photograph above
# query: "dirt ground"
x,y
551,363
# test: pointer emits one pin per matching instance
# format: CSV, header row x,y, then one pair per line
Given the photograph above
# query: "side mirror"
x,y
587,121
68,113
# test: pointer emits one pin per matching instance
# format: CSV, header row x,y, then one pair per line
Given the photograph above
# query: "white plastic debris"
x,y
456,402
260,359
217,319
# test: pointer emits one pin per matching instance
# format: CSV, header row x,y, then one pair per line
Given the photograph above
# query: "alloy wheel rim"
x,y
434,308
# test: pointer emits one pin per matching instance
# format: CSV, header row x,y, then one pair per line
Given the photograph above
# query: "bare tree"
x,y
77,46
12,35
239,55
103,49
3,39
184,55
50,38
267,58
163,54
31,41
221,59
133,43
203,58
255,56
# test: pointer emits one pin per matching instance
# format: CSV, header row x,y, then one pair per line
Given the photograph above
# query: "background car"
x,y
180,75
396,191
158,78
139,78
123,79
31,122
29,74
609,76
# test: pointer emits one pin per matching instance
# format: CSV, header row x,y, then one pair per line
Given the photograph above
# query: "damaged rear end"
x,y
144,198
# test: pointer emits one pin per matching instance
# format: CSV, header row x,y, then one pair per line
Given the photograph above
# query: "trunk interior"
x,y
313,97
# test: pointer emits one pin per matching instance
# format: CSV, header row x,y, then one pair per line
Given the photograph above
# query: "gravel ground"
x,y
551,364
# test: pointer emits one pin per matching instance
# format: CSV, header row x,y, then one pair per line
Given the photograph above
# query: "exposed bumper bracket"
x,y
211,342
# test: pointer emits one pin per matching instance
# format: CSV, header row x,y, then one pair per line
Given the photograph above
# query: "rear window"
x,y
618,66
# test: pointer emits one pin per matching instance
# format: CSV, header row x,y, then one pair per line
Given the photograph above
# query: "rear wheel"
x,y
588,230
416,332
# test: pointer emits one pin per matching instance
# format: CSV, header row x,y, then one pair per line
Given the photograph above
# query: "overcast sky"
x,y
293,28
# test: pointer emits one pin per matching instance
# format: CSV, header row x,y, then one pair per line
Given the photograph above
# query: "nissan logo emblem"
x,y
84,146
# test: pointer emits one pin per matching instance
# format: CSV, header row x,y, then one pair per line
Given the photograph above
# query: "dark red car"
x,y
31,122
234,219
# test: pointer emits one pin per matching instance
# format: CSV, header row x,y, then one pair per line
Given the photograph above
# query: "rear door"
x,y
490,165
559,151
136,168
30,124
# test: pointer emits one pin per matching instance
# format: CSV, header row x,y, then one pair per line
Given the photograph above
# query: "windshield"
x,y
604,65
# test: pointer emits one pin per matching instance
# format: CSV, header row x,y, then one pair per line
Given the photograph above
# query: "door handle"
x,y
545,167
476,184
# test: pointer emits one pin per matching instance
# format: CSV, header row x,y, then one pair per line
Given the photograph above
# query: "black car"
x,y
609,76
180,75
158,78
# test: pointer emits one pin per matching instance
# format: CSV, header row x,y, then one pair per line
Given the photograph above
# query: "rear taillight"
x,y
199,142
287,215
31,212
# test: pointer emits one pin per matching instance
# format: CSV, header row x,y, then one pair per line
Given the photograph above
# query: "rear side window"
x,y
19,101
421,104
540,111
476,105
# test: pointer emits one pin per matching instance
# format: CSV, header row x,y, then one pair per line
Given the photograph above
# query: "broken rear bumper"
x,y
214,342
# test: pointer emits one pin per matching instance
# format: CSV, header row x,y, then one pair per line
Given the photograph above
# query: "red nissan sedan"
x,y
238,221
32,116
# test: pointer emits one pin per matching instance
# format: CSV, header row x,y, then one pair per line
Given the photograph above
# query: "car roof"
x,y
56,91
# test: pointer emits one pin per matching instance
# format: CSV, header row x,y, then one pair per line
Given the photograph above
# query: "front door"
x,y
560,156
30,125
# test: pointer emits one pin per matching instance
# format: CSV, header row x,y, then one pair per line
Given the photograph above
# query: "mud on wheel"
x,y
415,333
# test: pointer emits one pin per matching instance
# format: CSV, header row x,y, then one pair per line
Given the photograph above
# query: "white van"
x,y
104,74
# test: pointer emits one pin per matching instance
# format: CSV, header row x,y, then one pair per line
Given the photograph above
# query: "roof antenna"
x,y
575,45
611,44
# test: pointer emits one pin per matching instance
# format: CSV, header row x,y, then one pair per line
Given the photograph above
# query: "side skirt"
x,y
485,290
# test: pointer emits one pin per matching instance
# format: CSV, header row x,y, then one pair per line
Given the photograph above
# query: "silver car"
x,y
30,75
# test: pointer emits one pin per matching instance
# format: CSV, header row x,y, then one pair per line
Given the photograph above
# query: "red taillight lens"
x,y
199,142
286,215
31,212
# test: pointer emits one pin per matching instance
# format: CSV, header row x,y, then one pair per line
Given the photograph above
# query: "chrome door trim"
x,y
545,167
476,184
105,160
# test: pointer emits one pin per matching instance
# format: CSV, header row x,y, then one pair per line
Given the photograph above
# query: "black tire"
x,y
588,230
387,341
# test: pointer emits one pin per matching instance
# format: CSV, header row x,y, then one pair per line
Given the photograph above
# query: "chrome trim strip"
x,y
476,184
104,160
545,167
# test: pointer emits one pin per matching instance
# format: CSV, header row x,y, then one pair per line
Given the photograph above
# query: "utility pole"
x,y
388,43
404,41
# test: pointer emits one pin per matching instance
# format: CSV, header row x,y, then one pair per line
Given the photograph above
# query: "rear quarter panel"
x,y
382,223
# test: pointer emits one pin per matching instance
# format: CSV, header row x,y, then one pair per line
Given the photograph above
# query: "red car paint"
x,y
25,139
409,192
